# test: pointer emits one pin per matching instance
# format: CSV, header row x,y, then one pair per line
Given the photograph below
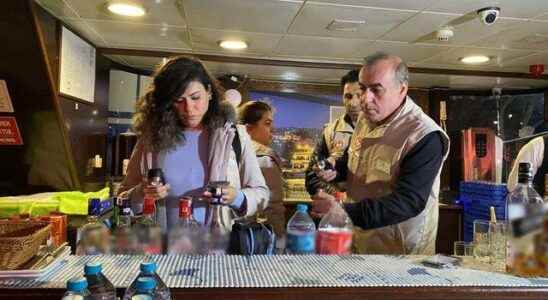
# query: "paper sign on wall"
x,y
9,132
5,100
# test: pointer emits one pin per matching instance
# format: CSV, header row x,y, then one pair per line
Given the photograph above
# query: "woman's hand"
x,y
228,193
156,191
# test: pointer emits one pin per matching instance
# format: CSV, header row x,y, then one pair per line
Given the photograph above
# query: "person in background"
x,y
258,117
184,128
392,167
536,153
336,135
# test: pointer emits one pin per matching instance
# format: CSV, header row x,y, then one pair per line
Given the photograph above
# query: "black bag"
x,y
249,238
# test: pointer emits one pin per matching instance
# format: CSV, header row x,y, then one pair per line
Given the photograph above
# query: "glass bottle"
x,y
94,235
124,237
184,238
335,230
147,230
525,215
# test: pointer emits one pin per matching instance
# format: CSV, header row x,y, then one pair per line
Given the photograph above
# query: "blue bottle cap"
x,y
92,268
302,208
77,283
148,267
94,206
145,284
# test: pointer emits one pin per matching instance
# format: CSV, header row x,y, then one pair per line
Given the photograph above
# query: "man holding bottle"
x,y
392,166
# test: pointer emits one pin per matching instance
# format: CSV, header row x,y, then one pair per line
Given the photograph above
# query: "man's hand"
x,y
229,194
321,203
329,174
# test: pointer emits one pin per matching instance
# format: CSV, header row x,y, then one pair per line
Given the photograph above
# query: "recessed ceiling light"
x,y
475,59
233,44
126,9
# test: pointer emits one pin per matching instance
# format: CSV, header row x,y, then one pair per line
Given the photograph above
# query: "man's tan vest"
x,y
337,136
374,159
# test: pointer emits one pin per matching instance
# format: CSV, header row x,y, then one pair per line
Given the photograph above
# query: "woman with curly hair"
x,y
184,128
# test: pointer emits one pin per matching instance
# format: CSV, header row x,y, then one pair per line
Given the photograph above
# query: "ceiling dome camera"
x,y
489,15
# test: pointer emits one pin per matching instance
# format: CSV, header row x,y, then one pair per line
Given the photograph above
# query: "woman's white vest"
x,y
375,155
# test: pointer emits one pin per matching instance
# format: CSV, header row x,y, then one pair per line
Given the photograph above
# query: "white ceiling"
x,y
297,30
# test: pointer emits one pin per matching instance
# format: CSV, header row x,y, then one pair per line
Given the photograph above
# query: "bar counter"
x,y
290,277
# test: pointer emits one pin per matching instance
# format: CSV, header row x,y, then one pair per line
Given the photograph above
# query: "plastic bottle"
x,y
148,270
77,289
144,290
301,232
98,284
335,230
186,237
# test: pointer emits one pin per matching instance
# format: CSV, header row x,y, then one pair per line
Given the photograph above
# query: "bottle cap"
x,y
302,208
148,206
185,204
77,283
94,206
92,268
145,284
148,267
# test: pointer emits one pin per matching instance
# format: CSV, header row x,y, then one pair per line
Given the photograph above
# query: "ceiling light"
x,y
126,9
475,59
233,44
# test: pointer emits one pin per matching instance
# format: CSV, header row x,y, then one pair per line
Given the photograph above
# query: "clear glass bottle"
x,y
525,215
94,236
218,235
77,289
147,230
186,236
335,230
148,270
98,285
124,237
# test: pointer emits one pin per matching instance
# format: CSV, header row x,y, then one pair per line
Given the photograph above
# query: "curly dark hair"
x,y
156,120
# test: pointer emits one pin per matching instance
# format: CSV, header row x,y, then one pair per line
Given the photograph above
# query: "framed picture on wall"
x,y
77,67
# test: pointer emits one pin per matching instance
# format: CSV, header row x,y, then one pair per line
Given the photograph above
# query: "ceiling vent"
x,y
345,25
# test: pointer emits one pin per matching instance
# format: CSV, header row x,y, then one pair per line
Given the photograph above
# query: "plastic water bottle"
x,y
335,230
144,290
148,270
77,289
99,286
301,232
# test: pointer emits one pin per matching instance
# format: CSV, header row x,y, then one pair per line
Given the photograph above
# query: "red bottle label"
x,y
333,241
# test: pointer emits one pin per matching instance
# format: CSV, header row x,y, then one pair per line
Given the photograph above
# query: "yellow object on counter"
x,y
76,203
72,203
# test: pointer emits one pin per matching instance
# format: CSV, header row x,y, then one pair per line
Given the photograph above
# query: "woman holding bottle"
x,y
185,129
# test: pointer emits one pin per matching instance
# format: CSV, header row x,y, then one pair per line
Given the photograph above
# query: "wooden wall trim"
x,y
303,64
54,93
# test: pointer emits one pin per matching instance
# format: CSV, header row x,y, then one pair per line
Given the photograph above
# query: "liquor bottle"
x,y
525,215
147,230
124,237
186,236
94,235
335,230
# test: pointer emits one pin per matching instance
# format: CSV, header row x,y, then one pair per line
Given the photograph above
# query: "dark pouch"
x,y
249,238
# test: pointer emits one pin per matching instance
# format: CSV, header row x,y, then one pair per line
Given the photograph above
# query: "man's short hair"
x,y
401,72
350,77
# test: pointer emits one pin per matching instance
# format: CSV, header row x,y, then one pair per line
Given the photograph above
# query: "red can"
x,y
333,241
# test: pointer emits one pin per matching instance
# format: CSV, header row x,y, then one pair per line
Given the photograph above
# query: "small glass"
x,y
481,241
497,244
462,248
216,190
